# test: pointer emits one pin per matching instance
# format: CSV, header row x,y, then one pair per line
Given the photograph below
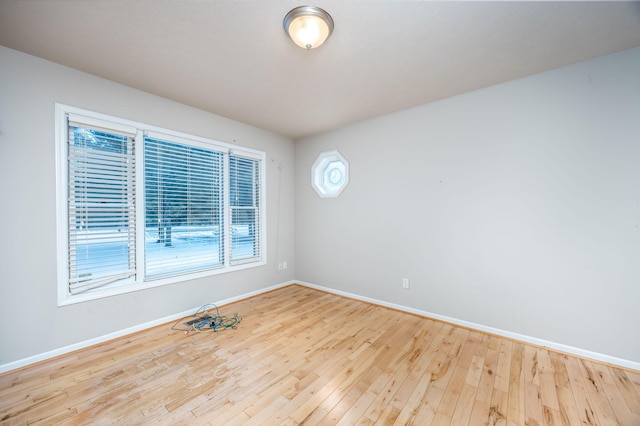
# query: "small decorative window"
x,y
330,174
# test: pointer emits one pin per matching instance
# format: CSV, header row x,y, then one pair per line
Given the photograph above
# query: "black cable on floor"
x,y
206,322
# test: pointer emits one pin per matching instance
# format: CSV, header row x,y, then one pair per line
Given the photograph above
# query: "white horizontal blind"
x,y
245,206
138,204
184,226
101,204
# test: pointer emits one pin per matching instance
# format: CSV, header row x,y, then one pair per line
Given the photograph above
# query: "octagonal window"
x,y
330,174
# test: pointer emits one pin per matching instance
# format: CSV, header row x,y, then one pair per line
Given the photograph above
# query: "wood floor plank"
x,y
618,404
412,378
534,413
516,408
302,356
452,392
427,411
566,399
482,403
424,353
630,392
498,408
464,408
596,393
584,402
548,394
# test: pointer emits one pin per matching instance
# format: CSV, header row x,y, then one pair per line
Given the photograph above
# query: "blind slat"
x,y
184,207
198,198
244,208
101,203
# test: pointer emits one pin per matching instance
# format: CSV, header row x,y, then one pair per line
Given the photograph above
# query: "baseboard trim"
x,y
120,333
583,353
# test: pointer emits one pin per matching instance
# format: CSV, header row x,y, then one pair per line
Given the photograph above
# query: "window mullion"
x,y
226,209
140,204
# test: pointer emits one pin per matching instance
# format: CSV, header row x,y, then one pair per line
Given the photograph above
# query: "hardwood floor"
x,y
302,356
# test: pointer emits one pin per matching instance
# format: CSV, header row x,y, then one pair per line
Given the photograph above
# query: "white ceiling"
x,y
232,57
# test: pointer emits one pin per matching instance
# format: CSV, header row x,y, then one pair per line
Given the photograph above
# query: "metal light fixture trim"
x,y
308,26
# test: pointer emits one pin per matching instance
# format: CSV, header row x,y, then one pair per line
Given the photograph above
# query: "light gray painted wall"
x,y
515,207
30,321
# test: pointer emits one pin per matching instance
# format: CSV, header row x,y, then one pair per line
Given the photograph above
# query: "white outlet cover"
x,y
330,174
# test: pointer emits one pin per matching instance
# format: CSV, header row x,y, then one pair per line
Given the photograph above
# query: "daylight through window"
x,y
195,209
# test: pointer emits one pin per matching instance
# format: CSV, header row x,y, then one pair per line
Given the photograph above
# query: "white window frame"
x,y
140,282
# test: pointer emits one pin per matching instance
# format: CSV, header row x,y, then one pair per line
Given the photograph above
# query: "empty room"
x,y
226,212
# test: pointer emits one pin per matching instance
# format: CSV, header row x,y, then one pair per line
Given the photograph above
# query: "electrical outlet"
x,y
282,265
405,283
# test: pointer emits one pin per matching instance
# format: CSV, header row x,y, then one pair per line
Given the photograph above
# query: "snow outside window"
x,y
140,206
184,226
101,209
245,210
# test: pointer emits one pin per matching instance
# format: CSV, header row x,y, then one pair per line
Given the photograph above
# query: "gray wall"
x,y
30,321
515,207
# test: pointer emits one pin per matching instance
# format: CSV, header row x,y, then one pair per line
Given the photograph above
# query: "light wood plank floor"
x,y
302,356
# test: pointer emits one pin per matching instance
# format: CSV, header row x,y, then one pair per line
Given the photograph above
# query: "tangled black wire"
x,y
206,321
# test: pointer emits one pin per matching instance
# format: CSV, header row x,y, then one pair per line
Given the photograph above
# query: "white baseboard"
x,y
101,339
504,333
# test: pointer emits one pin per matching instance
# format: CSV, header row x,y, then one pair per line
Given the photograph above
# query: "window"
x,y
183,208
245,209
101,204
140,206
330,174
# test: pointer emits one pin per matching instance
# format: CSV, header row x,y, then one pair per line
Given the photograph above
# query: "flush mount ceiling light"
x,y
308,26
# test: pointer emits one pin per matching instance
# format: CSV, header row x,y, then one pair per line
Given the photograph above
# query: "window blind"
x,y
101,203
139,206
184,224
245,207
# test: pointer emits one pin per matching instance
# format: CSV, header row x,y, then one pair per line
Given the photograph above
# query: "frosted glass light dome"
x,y
308,26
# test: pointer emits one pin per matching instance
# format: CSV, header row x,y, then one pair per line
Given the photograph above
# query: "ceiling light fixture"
x,y
308,26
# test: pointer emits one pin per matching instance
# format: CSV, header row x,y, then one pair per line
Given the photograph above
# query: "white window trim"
x,y
64,297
